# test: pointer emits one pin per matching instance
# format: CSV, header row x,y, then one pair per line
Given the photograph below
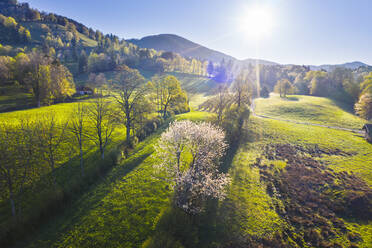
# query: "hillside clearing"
x,y
316,110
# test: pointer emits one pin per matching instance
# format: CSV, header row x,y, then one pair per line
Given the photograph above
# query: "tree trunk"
x,y
53,173
12,205
128,134
165,111
178,161
101,149
239,98
128,123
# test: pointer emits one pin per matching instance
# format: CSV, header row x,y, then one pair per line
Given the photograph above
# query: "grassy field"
x,y
119,210
131,206
304,135
309,109
125,209
320,111
68,176
271,132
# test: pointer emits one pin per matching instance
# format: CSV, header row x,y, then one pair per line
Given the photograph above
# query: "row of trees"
x,y
137,98
32,149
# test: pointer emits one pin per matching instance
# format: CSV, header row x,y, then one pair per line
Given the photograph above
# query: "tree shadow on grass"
x,y
345,106
176,229
68,212
291,98
230,154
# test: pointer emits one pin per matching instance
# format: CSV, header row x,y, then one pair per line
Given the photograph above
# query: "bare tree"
x,y
222,101
158,91
8,167
17,157
100,115
51,137
77,127
241,90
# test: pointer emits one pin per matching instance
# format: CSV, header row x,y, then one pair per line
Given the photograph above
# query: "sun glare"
x,y
256,21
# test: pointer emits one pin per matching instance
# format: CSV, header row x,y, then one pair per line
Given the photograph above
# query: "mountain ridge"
x,y
181,45
185,47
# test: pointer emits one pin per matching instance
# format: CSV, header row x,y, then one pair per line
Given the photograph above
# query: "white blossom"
x,y
191,152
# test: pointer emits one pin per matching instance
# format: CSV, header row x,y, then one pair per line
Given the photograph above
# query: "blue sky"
x,y
302,31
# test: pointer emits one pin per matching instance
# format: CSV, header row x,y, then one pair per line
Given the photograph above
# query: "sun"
x,y
256,21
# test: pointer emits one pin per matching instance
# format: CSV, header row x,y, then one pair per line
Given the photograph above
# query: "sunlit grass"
x,y
121,209
272,131
309,109
252,208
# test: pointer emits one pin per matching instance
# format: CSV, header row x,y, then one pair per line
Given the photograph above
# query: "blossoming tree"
x,y
191,152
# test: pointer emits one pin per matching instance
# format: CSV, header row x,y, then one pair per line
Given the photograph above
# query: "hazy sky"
x,y
301,31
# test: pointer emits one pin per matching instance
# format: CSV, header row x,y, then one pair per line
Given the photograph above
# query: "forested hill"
x,y
187,48
350,65
178,44
81,49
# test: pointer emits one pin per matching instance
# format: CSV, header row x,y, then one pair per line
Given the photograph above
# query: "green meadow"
x,y
131,205
310,109
91,156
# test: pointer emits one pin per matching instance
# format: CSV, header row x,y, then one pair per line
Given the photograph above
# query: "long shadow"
x,y
176,228
231,152
66,213
291,98
345,106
